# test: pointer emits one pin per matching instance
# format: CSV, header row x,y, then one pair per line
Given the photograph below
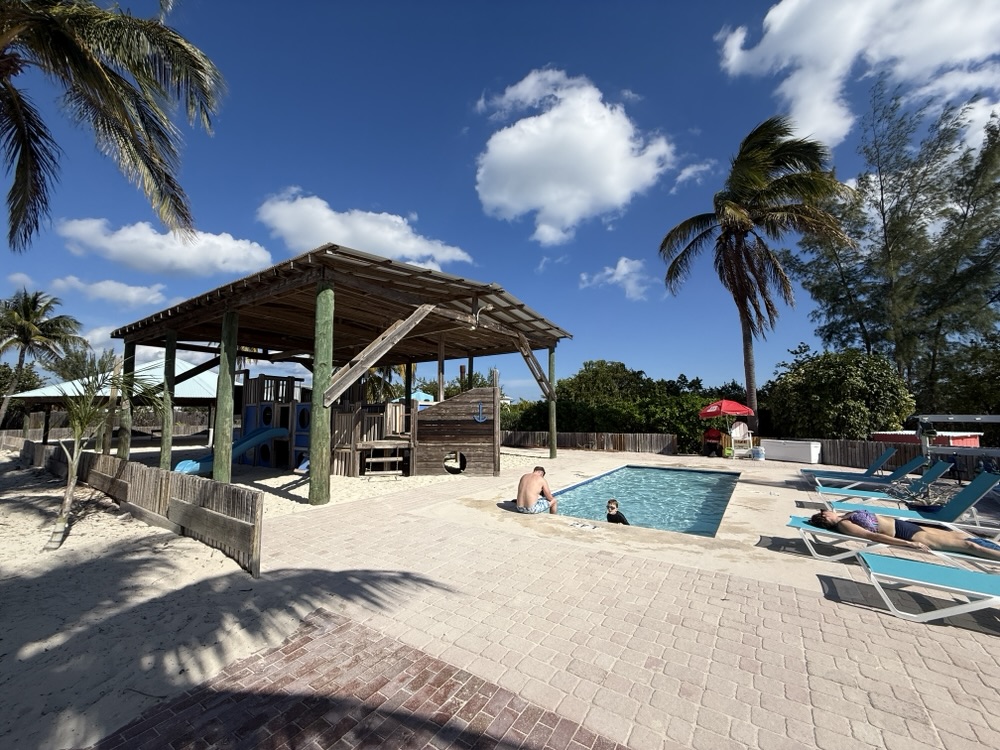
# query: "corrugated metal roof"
x,y
200,388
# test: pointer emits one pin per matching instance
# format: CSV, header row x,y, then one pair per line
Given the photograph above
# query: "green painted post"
x,y
222,446
319,426
553,433
169,377
125,433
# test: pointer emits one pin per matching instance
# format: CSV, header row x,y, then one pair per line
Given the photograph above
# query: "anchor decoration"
x,y
480,417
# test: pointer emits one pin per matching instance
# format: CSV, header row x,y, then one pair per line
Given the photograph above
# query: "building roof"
x,y
199,389
276,310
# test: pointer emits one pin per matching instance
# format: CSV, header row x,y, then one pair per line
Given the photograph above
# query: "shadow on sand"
x,y
51,662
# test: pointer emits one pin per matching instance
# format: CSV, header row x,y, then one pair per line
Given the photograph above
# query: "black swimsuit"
x,y
905,530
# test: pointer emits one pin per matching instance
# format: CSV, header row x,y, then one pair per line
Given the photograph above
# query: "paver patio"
x,y
450,621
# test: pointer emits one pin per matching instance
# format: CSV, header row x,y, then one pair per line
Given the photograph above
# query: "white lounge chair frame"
x,y
981,589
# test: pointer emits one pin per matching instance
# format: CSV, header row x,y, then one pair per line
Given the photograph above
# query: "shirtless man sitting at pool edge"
x,y
534,495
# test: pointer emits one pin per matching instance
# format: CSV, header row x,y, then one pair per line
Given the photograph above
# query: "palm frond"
x,y
30,148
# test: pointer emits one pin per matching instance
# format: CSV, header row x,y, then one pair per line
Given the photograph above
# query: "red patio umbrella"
x,y
725,407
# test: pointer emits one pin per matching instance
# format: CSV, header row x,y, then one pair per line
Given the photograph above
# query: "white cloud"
x,y
628,274
692,173
575,158
547,259
304,222
943,47
141,247
100,339
112,291
21,281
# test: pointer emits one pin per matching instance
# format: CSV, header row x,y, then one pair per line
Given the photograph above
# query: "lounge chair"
x,y
873,468
812,534
912,492
855,480
981,589
948,514
742,438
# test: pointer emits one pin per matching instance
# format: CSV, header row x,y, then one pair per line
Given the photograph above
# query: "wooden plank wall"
x,y
600,441
452,426
222,516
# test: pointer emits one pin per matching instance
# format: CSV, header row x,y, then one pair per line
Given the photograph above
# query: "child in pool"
x,y
613,515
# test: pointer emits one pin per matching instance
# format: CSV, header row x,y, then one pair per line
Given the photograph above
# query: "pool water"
x,y
685,500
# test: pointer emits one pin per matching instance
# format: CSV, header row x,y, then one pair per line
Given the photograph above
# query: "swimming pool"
x,y
684,500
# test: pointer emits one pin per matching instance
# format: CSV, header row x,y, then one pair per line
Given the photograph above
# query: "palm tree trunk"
x,y
15,379
749,371
73,466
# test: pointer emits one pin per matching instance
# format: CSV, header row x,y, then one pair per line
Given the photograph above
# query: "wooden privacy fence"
x,y
600,441
222,516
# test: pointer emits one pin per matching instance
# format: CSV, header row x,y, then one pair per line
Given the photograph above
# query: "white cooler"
x,y
801,451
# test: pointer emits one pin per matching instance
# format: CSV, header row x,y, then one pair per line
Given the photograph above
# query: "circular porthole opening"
x,y
454,462
303,419
267,415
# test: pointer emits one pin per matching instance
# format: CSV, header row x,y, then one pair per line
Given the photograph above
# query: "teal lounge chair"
x,y
855,480
811,535
981,589
912,492
945,515
873,468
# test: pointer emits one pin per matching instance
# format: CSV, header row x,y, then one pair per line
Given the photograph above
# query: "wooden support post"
x,y
408,399
222,446
472,376
109,419
169,378
553,433
440,393
319,425
128,372
45,426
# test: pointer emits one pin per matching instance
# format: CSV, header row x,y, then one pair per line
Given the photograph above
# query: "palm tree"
x,y
29,327
86,402
775,185
120,76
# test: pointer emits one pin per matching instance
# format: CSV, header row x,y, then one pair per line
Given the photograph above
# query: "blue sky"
x,y
543,146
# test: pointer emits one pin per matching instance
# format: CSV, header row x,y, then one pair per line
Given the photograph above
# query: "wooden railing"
x,y
223,516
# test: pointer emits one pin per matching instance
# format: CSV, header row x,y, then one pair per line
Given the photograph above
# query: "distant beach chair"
x,y
873,468
742,438
912,492
856,480
981,589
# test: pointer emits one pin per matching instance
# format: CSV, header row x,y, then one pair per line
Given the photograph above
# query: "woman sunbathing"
x,y
899,533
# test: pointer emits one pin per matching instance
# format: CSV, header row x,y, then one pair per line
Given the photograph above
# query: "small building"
x,y
945,438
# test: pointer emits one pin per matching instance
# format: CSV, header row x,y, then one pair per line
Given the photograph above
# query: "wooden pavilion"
x,y
339,311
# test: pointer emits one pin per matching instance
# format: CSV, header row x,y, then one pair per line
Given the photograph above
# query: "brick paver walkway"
x,y
337,684
451,632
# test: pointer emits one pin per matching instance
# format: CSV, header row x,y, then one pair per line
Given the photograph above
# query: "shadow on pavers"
x,y
864,595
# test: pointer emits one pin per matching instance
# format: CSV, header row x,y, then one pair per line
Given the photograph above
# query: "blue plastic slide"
x,y
203,465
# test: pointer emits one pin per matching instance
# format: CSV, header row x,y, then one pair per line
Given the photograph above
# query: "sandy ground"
x,y
124,612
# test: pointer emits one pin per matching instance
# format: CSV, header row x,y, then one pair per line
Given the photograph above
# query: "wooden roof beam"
x,y
346,376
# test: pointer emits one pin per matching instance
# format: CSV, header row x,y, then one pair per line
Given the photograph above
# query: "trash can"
x,y
757,453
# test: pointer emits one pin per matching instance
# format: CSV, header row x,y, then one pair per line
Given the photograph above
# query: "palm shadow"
x,y
56,629
369,691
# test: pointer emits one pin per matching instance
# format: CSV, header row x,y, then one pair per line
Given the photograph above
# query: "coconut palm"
x,y
774,187
29,326
120,76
